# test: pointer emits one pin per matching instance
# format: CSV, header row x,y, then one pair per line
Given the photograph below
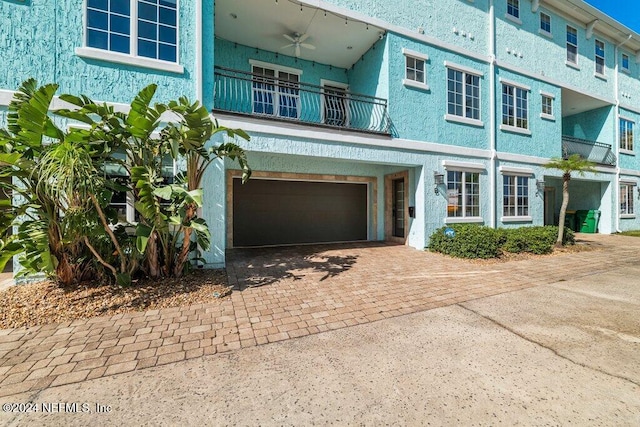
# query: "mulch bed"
x,y
46,302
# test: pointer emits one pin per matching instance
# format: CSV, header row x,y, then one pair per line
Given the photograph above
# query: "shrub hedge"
x,y
474,241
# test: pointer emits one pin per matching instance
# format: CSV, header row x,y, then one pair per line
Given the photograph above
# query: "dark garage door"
x,y
272,212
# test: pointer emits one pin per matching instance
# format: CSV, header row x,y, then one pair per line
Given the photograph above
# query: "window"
x,y
625,62
276,92
463,94
599,55
626,199
547,105
515,196
572,45
335,105
626,135
513,8
415,69
545,23
515,110
145,28
463,194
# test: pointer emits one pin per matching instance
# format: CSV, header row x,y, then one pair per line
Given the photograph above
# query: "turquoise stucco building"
x,y
369,120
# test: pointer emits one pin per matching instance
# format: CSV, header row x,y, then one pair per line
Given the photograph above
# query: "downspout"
x,y
616,188
492,113
198,59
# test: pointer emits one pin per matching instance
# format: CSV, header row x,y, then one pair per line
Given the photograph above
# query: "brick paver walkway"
x,y
280,294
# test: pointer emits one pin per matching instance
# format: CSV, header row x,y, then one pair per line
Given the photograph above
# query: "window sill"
x,y
414,84
547,117
627,152
545,33
463,220
572,65
463,120
628,216
514,129
625,70
513,19
120,58
516,219
600,76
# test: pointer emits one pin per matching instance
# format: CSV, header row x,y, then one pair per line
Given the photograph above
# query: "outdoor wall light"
x,y
438,179
540,185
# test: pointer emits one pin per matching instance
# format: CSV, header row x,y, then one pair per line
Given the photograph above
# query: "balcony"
x,y
597,152
289,100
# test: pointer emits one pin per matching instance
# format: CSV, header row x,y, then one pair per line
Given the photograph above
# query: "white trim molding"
x,y
121,58
463,166
414,84
276,67
466,69
513,83
463,220
513,129
415,54
547,94
510,170
463,120
516,219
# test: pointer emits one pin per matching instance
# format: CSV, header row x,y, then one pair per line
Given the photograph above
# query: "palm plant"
x,y
569,165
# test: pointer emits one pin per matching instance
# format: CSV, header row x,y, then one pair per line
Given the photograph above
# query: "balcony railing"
x,y
596,152
284,99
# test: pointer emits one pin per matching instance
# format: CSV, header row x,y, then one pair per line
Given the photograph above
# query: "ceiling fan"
x,y
297,41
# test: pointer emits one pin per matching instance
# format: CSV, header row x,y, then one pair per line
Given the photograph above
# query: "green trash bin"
x,y
581,217
590,222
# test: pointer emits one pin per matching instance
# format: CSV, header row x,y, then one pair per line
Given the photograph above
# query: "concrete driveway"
x,y
564,352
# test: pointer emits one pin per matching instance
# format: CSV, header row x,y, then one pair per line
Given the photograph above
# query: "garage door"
x,y
272,212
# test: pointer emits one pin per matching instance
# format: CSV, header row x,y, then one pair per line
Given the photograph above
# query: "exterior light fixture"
x,y
438,179
540,185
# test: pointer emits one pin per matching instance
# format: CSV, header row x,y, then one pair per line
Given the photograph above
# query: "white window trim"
x,y
415,84
132,58
540,30
601,76
572,65
463,220
275,67
123,58
603,57
454,165
463,68
545,115
567,62
547,94
463,120
510,17
627,152
516,84
633,140
509,170
420,57
548,117
622,67
513,19
545,33
628,184
516,218
514,129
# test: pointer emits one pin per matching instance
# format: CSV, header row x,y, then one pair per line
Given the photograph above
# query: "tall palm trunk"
x,y
563,209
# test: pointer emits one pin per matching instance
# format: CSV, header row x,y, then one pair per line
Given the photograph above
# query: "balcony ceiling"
x,y
262,23
575,102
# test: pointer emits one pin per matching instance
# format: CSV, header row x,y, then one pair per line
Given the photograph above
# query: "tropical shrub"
x,y
474,241
65,225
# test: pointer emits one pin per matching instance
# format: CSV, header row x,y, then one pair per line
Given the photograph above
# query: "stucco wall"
x,y
38,39
593,125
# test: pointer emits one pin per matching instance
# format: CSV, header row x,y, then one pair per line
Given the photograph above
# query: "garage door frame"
x,y
372,194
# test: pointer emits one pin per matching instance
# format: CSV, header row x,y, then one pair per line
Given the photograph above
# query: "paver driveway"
x,y
282,293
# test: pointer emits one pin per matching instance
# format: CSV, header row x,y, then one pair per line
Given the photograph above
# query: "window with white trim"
x,y
276,92
513,8
515,196
515,108
599,57
463,194
415,69
463,94
545,23
572,45
625,62
142,28
547,105
626,134
626,199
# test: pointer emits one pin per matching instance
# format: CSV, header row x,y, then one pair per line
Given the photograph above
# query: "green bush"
x,y
470,241
473,241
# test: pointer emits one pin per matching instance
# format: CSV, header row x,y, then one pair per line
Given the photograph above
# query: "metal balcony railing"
x,y
596,152
285,99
